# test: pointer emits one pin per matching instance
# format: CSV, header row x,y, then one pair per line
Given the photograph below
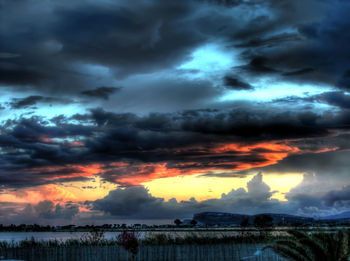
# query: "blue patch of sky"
x,y
269,91
45,111
210,62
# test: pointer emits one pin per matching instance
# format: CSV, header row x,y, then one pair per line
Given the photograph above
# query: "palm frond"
x,y
286,252
342,245
326,246
296,247
316,248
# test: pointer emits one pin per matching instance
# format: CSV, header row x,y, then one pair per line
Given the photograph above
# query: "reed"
x,y
94,246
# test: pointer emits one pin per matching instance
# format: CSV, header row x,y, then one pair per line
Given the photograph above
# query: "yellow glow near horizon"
x,y
185,187
73,191
180,187
90,190
282,183
202,188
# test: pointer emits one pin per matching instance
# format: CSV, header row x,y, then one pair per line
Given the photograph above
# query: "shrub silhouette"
x,y
177,222
94,237
129,241
193,222
262,221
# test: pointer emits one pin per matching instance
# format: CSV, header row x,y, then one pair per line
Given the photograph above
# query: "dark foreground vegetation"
x,y
219,252
296,245
129,246
314,247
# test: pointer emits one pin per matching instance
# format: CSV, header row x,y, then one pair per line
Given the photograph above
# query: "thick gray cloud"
x,y
44,212
34,100
338,197
236,84
305,199
187,140
137,202
63,39
257,188
332,165
46,209
101,92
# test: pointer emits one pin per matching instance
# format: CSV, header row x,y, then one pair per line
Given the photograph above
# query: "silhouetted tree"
x,y
244,224
193,222
261,222
177,222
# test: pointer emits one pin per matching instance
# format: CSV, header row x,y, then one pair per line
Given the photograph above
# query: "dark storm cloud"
x,y
120,36
141,38
339,99
332,164
19,76
260,65
101,92
30,100
148,37
225,2
312,45
44,212
299,72
233,174
70,48
271,41
138,200
35,99
165,95
233,83
185,140
339,197
48,210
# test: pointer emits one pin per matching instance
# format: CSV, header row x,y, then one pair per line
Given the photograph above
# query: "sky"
x,y
150,110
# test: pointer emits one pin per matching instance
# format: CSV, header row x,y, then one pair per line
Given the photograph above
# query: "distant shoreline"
x,y
194,229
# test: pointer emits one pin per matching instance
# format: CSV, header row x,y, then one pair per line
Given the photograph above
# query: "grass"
x,y
192,238
196,239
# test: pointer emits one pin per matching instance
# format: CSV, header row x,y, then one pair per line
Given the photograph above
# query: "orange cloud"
x,y
243,157
67,171
44,139
77,144
51,192
145,172
233,156
222,157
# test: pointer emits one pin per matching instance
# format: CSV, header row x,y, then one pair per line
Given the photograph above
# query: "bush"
x,y
129,241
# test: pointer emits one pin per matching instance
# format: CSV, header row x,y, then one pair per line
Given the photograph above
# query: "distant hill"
x,y
230,219
219,218
344,215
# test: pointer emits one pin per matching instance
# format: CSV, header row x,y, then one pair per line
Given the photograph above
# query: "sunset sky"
x,y
123,110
